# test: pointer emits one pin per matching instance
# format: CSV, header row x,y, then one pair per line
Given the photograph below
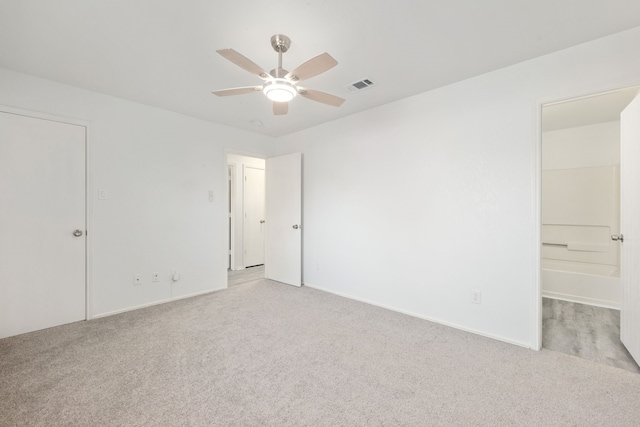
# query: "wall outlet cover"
x,y
476,297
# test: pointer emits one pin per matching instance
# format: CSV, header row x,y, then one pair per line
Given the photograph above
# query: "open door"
x,y
630,227
283,215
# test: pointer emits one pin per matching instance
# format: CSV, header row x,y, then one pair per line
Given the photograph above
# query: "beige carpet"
x,y
270,354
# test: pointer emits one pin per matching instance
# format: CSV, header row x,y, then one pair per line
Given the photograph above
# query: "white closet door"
x,y
283,256
630,227
253,228
42,204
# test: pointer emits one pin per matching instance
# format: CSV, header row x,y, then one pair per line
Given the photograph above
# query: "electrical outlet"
x,y
156,277
175,276
476,297
137,279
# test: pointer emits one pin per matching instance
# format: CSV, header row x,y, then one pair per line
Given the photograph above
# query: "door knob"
x,y
77,233
296,226
262,221
618,237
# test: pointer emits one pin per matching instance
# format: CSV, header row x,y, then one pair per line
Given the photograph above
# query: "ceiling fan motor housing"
x,y
280,43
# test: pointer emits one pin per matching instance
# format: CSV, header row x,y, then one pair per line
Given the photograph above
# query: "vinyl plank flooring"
x,y
585,331
240,277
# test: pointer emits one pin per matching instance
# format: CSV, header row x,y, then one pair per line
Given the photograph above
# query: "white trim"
x,y
419,316
245,154
151,304
88,224
43,116
536,299
231,221
581,300
243,180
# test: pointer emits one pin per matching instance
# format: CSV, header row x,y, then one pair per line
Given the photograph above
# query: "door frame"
x,y
536,300
231,212
88,181
227,152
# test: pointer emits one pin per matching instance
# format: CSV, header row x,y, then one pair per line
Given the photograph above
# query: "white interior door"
x,y
231,172
42,204
253,228
630,227
283,255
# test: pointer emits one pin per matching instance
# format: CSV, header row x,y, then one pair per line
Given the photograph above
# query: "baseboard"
x,y
581,300
420,316
151,304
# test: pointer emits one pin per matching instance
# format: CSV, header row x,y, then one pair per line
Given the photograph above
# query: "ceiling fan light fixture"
x,y
280,90
279,85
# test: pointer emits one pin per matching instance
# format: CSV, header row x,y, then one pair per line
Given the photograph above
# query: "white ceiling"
x,y
162,52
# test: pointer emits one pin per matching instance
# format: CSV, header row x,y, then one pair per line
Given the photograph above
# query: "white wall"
x,y
581,187
582,147
240,162
414,204
410,205
158,167
581,209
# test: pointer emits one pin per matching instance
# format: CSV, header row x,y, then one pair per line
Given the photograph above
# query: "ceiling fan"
x,y
280,85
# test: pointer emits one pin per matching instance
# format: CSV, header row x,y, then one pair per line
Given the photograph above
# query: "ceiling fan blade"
x,y
237,91
323,97
280,108
244,62
312,67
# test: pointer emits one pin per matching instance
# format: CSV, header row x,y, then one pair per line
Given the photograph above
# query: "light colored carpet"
x,y
270,354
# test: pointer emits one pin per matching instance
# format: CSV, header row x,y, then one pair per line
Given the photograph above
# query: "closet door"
x,y
42,224
254,222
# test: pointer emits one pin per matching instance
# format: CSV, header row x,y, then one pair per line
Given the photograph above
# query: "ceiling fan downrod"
x,y
280,44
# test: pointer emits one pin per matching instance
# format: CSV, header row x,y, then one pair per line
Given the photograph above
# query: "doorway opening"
x,y
246,203
580,213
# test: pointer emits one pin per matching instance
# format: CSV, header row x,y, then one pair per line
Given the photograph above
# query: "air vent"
x,y
360,85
